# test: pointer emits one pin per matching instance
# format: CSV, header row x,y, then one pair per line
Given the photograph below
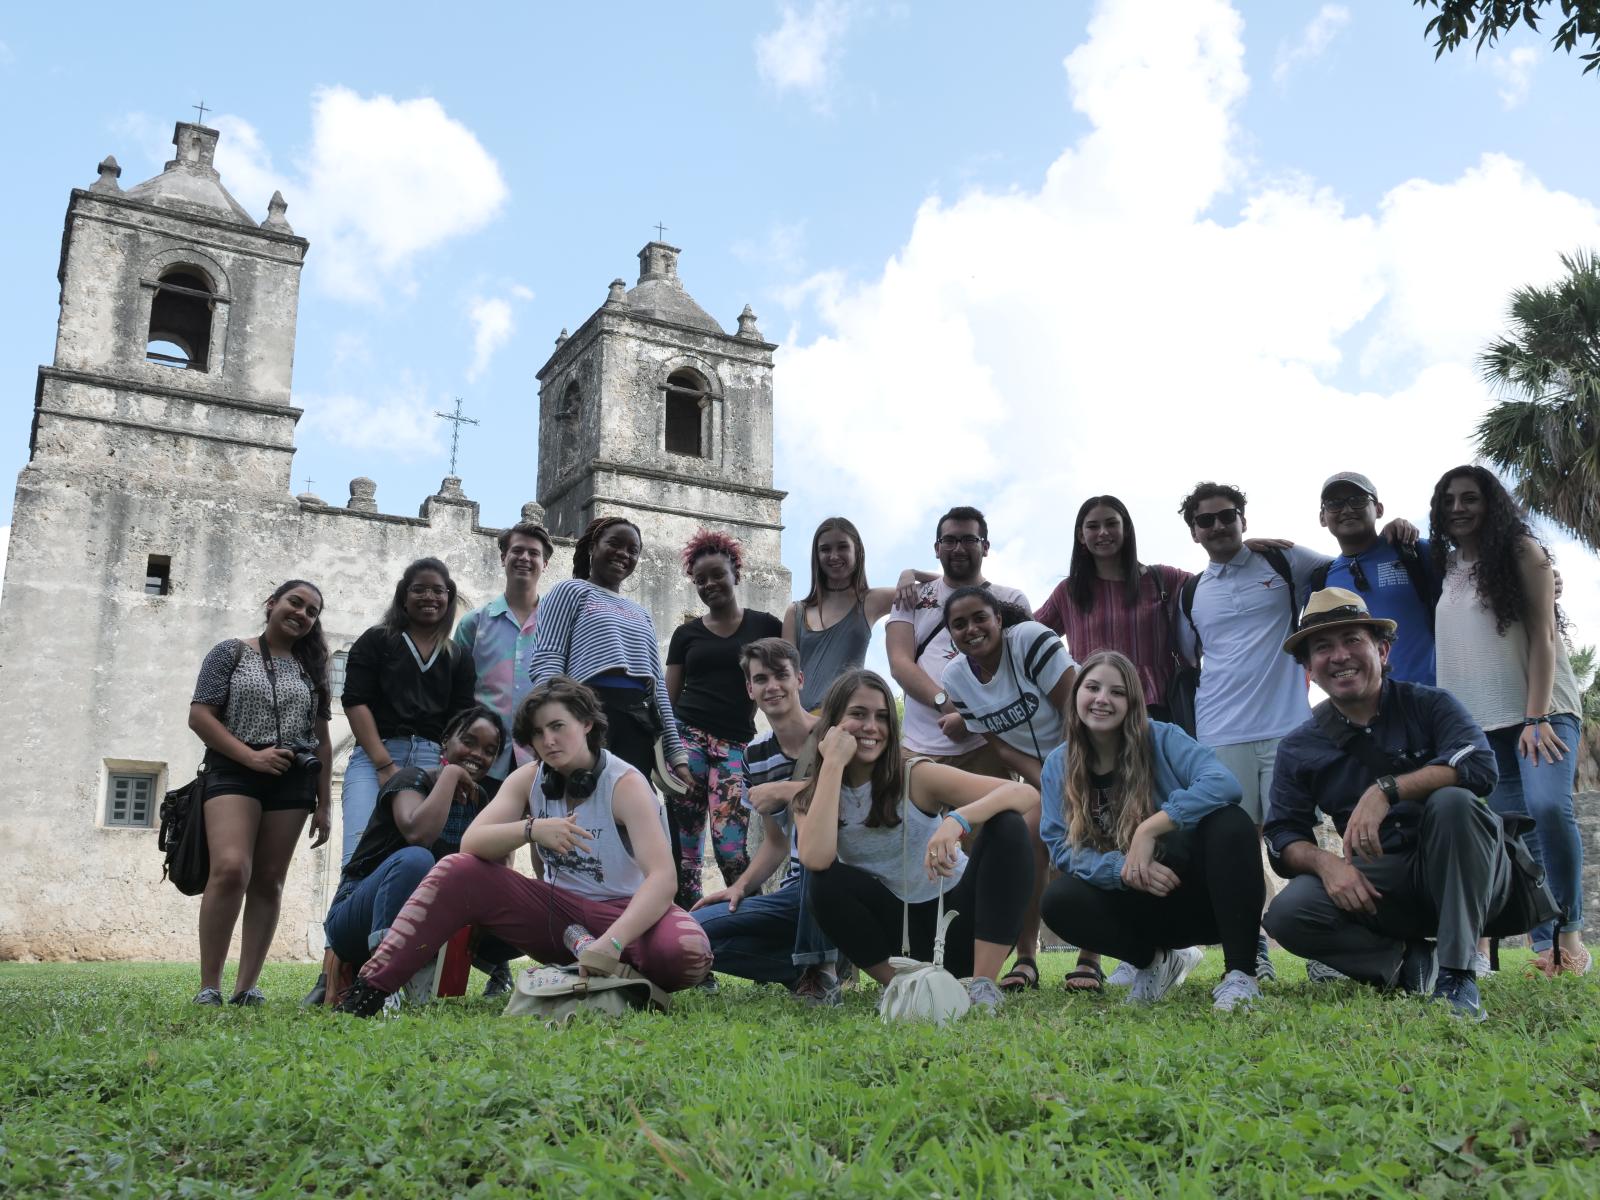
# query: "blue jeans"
x,y
360,914
811,945
1544,792
360,795
769,938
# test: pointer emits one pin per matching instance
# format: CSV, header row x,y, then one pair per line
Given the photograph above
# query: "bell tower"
x,y
175,345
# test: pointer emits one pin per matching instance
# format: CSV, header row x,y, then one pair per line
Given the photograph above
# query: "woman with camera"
x,y
261,708
605,898
420,817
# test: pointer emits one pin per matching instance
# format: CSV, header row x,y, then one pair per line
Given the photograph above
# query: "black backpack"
x,y
182,838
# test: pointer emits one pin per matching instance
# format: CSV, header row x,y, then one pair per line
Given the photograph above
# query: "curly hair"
x,y
395,619
311,648
584,546
577,698
470,716
713,541
1081,574
888,773
858,577
1209,491
1133,792
1500,539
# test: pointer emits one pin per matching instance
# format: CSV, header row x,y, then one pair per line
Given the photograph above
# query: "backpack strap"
x,y
1422,579
1280,564
1319,577
1186,601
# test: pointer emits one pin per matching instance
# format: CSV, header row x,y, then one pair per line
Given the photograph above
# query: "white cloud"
x,y
492,326
1108,330
383,182
522,291
1513,73
1314,39
802,53
402,424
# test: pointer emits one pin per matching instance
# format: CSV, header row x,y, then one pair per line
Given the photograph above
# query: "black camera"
x,y
305,755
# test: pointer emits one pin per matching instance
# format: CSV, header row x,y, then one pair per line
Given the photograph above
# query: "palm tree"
x,y
1544,434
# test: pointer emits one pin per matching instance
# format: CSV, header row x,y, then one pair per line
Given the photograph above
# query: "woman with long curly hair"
x,y
881,836
716,717
590,632
261,708
1155,853
832,625
1500,652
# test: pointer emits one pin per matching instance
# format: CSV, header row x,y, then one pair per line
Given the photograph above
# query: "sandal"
x,y
1023,976
1085,977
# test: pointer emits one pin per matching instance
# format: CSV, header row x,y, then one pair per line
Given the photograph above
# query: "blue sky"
x,y
1073,248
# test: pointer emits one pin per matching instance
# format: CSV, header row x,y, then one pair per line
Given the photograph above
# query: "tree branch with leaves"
x,y
1483,21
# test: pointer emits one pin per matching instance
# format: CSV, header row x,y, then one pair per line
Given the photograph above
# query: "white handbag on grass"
x,y
557,994
921,991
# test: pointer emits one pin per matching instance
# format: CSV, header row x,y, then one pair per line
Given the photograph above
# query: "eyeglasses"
x,y
967,540
425,590
1348,504
1227,516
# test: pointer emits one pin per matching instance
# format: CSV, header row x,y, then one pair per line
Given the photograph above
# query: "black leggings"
x,y
862,917
1218,898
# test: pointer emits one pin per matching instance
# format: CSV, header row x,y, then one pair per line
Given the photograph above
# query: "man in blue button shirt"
x,y
1401,769
1397,581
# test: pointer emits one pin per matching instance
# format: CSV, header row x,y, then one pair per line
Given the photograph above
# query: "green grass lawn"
x,y
112,1084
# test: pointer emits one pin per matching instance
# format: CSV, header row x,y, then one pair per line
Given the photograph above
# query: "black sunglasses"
x,y
1206,520
1357,575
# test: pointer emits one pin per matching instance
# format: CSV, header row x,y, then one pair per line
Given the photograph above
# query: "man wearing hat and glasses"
x,y
1401,769
1395,579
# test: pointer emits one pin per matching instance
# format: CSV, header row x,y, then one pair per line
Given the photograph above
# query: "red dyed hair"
x,y
713,541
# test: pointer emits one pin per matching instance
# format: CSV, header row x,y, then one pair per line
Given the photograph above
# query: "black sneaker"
x,y
499,980
1459,989
318,995
362,1000
1418,968
208,998
249,999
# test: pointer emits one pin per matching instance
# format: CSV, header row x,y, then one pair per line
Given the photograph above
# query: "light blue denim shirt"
x,y
1188,775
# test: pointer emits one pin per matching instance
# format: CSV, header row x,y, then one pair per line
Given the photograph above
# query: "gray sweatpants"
x,y
1448,887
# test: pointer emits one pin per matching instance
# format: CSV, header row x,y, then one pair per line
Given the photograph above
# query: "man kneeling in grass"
x,y
773,938
1401,769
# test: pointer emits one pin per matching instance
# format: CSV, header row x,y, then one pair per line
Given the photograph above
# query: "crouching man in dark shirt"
x,y
1401,769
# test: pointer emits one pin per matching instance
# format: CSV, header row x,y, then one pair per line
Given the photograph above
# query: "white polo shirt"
x,y
1250,690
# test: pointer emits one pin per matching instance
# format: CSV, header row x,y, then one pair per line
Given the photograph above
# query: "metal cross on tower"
x,y
456,422
309,483
661,231
202,110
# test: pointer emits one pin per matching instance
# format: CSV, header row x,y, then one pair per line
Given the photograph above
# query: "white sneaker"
x,y
1236,989
1167,971
985,995
1480,964
1123,976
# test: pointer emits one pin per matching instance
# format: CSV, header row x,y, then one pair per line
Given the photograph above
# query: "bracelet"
x,y
965,824
527,830
617,944
384,766
1526,721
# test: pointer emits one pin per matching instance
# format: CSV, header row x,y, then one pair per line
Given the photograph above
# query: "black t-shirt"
x,y
383,673
713,698
382,837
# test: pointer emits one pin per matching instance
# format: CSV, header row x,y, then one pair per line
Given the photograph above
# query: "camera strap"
x,y
272,682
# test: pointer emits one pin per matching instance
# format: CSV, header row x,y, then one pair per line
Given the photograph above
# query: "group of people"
x,y
1106,766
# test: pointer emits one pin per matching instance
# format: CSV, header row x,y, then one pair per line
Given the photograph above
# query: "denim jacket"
x,y
1188,775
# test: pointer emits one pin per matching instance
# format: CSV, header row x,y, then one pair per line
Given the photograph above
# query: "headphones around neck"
x,y
580,785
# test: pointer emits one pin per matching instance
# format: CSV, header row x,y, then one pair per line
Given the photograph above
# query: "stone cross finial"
x,y
532,511
109,173
363,495
276,207
615,294
561,337
747,325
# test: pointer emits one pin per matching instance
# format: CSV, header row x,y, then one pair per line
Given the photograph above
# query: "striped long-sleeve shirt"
x,y
585,631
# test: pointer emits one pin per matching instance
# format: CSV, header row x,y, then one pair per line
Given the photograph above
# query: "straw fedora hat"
x,y
1331,608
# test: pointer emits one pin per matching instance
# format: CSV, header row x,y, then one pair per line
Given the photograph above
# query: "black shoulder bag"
x,y
182,837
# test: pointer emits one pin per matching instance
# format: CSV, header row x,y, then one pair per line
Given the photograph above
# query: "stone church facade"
x,y
155,515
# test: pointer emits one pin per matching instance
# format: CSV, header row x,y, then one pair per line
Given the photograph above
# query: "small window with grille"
x,y
336,666
130,799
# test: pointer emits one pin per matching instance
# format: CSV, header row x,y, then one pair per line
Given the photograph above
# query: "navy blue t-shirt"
x,y
1389,593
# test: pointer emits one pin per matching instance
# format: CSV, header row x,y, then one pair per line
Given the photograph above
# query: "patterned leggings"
x,y
718,793
531,915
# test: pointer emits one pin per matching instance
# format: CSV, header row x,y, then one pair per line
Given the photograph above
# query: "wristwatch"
x,y
1390,788
940,699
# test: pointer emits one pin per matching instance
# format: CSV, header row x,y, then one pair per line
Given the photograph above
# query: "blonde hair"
x,y
1133,790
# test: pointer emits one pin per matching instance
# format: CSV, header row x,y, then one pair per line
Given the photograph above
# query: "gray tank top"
x,y
894,857
608,870
827,654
